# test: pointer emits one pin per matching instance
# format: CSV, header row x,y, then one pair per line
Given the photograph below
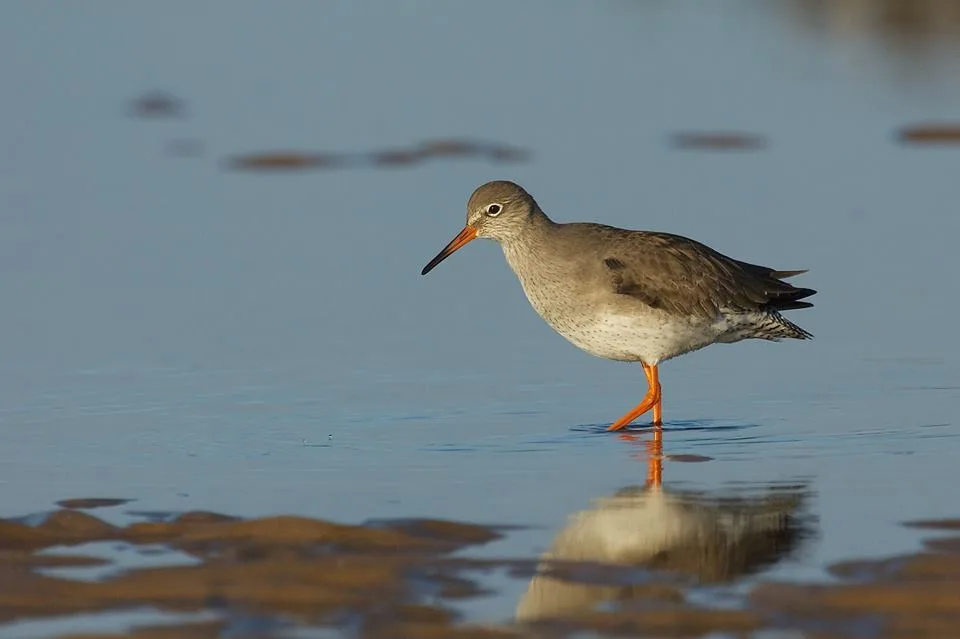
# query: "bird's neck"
x,y
532,234
531,244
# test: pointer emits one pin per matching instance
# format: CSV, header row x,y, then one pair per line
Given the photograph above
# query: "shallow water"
x,y
192,337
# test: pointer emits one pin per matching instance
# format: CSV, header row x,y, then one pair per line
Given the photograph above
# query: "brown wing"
x,y
683,276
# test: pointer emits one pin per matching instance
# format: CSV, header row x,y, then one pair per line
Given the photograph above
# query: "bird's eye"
x,y
493,210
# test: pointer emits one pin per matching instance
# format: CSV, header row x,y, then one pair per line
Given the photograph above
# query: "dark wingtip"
x,y
790,306
783,275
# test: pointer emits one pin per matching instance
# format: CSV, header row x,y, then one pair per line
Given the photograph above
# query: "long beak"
x,y
466,235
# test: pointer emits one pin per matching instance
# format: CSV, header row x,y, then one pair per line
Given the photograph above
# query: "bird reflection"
x,y
657,536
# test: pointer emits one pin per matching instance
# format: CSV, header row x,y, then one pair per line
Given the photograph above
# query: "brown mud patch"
x,y
718,141
916,595
930,133
914,28
85,503
284,161
384,158
157,104
385,578
399,579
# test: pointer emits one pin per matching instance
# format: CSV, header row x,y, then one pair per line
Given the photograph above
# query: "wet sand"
x,y
404,578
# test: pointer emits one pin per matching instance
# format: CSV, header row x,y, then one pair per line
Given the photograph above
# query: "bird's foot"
x,y
651,401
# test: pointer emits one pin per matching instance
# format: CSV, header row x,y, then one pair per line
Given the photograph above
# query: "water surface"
x,y
196,337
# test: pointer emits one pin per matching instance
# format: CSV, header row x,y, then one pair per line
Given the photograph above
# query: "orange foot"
x,y
650,401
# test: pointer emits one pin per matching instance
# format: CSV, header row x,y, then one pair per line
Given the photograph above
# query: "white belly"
x,y
651,338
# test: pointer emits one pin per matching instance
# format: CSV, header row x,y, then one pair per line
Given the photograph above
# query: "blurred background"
x,y
213,216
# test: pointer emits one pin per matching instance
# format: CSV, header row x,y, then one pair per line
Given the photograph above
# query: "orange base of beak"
x,y
468,234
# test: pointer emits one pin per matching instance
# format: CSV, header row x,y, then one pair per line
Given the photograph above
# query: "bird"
x,y
629,295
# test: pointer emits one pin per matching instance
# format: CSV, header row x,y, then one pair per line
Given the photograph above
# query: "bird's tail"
x,y
776,327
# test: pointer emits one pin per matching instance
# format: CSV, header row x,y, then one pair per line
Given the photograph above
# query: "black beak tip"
x,y
433,263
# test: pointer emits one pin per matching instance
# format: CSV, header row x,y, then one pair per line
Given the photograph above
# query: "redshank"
x,y
630,296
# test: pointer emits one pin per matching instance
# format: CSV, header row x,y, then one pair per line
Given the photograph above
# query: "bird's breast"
x,y
578,312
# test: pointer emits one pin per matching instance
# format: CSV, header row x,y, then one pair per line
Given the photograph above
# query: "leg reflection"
x,y
652,454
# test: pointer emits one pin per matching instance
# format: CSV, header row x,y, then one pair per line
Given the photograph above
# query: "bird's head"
x,y
497,210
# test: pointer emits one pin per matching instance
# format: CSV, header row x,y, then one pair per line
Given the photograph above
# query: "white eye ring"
x,y
493,210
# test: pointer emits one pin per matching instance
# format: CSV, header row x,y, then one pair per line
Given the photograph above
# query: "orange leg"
x,y
658,406
650,401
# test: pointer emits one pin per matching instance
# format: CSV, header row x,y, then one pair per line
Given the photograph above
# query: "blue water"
x,y
199,338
